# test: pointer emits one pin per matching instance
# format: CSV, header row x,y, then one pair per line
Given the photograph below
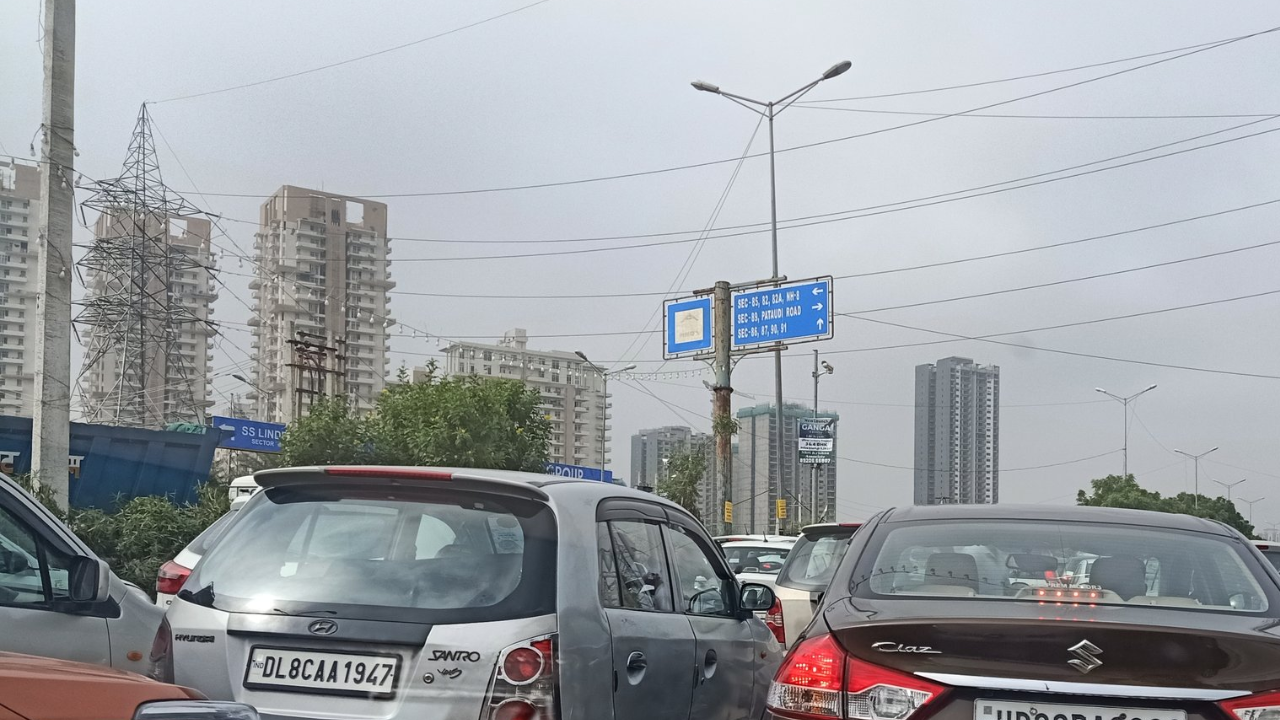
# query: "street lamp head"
x,y
706,86
628,368
838,69
1153,387
580,354
1104,392
241,378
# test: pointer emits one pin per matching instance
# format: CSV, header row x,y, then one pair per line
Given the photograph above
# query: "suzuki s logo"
x,y
323,627
1086,657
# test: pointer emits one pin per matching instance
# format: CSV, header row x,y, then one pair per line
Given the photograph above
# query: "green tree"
x,y
685,472
462,421
1125,492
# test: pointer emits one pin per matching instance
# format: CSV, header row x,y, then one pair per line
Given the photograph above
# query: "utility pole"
x,y
818,372
722,402
51,417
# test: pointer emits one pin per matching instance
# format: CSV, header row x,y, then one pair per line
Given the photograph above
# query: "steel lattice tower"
x,y
146,309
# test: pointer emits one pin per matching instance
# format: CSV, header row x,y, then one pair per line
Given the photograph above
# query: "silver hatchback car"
x,y
377,592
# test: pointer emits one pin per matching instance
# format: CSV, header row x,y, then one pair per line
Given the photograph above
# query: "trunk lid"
x,y
1137,646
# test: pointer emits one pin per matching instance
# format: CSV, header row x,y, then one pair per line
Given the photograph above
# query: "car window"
x,y
417,552
641,565
1012,560
812,561
21,582
755,559
1273,558
701,590
205,540
610,594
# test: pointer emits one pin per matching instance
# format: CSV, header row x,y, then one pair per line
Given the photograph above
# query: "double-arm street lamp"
x,y
1125,402
1196,458
769,110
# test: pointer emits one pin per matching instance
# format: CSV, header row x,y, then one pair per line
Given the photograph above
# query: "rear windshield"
x,y
813,561
205,539
1062,562
422,555
765,560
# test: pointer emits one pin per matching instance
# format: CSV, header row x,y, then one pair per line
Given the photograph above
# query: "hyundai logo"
x,y
1086,657
323,627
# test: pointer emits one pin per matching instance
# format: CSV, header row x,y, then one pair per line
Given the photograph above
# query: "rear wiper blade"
x,y
305,613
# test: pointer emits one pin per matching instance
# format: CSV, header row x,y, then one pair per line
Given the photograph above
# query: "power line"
x,y
348,60
1184,52
990,339
1028,76
1009,116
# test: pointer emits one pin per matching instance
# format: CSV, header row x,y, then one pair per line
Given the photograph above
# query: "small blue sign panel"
x,y
241,434
578,472
688,327
791,312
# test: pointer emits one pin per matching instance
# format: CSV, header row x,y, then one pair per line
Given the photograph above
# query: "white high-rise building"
x,y
19,230
571,391
957,438
324,269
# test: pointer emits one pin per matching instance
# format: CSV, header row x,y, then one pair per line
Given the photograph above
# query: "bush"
x,y
144,532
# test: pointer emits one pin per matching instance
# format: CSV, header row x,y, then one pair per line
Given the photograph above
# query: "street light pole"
x,y
1250,503
1229,487
769,112
1196,500
1125,402
604,403
825,369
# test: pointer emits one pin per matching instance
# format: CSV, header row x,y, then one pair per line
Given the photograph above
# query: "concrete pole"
x,y
722,401
51,419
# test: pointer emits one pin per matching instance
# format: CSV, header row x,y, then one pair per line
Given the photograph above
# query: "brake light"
x,y
526,685
878,693
818,680
1263,706
809,682
162,654
170,578
773,619
393,473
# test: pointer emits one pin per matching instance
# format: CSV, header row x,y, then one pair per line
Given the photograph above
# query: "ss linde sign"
x,y
817,440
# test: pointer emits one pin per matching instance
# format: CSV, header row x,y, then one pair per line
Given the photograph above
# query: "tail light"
x,y
818,680
162,654
170,578
1263,706
526,685
773,619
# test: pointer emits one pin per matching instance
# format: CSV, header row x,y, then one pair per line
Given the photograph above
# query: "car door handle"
x,y
636,662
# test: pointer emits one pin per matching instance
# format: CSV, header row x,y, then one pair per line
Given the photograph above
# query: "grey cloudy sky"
x,y
580,88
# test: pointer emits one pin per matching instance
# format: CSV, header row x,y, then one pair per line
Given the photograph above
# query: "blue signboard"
x,y
792,312
578,472
688,327
241,434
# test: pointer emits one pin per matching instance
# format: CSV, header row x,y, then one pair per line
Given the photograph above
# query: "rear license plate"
x,y
328,673
1005,710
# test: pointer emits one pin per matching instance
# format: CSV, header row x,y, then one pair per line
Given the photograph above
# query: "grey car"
x,y
368,592
58,599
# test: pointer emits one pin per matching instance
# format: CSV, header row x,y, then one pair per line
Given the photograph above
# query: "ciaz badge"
x,y
888,646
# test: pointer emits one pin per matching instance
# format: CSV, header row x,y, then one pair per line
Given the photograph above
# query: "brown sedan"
x,y
37,688
1040,613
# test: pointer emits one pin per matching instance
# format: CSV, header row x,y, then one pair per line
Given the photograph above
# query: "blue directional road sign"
x,y
578,472
689,330
241,434
791,312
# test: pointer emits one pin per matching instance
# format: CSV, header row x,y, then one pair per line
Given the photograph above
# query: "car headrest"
x,y
952,569
1125,575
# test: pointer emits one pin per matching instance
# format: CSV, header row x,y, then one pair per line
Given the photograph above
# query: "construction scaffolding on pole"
x,y
147,277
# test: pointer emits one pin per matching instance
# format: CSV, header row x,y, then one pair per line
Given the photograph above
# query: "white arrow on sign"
x,y
818,290
820,323
227,427
818,306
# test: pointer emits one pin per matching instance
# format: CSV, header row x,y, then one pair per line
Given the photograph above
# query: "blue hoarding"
x,y
241,434
794,312
578,472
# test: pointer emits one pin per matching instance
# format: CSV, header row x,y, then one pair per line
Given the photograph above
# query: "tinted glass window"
x,y
610,595
755,559
701,590
813,561
1084,562
21,582
437,555
1274,557
205,540
641,564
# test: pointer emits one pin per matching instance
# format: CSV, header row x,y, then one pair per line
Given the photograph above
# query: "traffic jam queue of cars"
x,y
378,592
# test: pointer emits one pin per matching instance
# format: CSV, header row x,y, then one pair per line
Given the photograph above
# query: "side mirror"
x,y
89,580
755,597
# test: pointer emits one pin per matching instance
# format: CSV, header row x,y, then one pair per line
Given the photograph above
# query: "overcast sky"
x,y
573,89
